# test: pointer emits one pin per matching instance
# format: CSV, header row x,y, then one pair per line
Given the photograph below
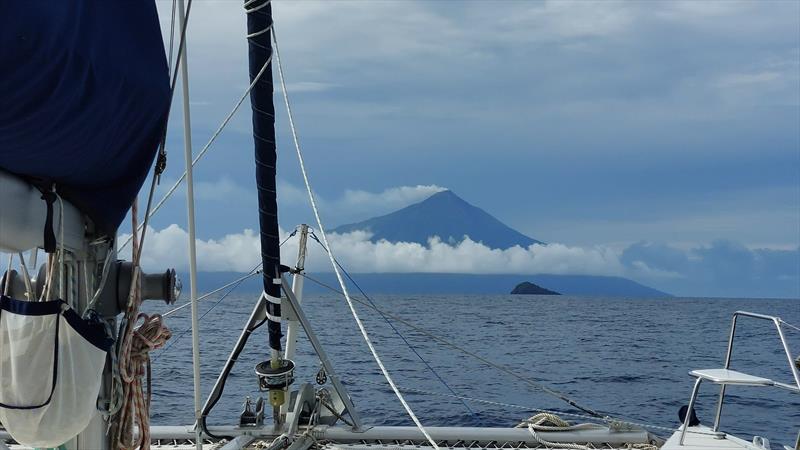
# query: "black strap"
x,y
49,235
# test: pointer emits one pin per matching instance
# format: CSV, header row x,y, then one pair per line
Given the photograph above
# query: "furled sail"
x,y
259,22
84,94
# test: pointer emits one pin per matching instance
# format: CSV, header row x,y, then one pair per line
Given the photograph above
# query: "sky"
x,y
654,140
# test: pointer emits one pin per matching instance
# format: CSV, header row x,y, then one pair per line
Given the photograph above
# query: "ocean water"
x,y
628,358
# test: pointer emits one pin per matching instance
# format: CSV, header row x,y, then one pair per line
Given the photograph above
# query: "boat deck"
x,y
697,438
703,438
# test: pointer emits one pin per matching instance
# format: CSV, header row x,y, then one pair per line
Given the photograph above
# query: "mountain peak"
x,y
445,195
444,198
443,214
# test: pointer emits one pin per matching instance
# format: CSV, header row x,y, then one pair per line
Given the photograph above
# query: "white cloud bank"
x,y
722,268
240,252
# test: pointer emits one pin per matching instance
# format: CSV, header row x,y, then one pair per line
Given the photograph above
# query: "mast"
x,y
259,27
187,142
259,22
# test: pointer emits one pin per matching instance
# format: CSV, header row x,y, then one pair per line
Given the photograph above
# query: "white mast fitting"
x,y
187,147
297,288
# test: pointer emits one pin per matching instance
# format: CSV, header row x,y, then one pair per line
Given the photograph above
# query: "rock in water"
x,y
527,288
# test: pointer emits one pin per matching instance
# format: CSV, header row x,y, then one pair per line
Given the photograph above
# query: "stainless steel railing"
x,y
779,327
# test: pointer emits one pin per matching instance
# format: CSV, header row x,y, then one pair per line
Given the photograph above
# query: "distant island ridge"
x,y
449,283
528,288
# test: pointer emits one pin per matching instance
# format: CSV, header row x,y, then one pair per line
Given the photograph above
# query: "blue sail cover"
x,y
84,94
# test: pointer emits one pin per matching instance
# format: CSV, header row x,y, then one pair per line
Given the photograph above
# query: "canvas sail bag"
x,y
51,366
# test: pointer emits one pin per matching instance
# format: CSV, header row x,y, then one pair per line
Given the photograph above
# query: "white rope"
x,y
33,257
7,280
61,269
47,279
251,10
330,252
103,277
550,444
26,276
796,328
205,148
537,423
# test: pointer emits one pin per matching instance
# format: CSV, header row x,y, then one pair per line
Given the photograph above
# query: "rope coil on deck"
x,y
549,422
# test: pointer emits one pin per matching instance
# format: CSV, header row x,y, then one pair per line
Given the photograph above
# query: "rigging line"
x,y
255,271
391,325
160,161
174,76
178,337
161,158
205,296
488,362
171,35
796,328
330,252
206,147
235,283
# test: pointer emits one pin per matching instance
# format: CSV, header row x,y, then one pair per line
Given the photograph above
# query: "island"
x,y
527,288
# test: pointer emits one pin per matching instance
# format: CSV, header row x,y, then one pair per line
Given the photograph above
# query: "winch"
x,y
275,376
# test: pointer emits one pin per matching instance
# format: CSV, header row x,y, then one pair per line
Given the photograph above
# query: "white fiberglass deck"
x,y
703,438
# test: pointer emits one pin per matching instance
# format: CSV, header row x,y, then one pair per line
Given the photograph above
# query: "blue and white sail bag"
x,y
51,367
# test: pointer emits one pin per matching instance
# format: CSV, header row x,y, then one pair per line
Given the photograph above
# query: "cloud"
x,y
720,268
373,203
358,252
240,252
575,121
354,204
168,247
657,258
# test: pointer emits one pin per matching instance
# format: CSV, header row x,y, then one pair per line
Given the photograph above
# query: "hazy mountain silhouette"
x,y
443,214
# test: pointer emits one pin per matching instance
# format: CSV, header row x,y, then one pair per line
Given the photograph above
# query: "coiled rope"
x,y
549,422
134,360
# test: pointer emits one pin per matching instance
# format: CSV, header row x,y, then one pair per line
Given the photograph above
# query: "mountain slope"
x,y
443,214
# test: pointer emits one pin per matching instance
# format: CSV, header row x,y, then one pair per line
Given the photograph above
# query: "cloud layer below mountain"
x,y
721,268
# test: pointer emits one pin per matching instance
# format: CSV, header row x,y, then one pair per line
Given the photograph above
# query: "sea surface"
x,y
628,358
